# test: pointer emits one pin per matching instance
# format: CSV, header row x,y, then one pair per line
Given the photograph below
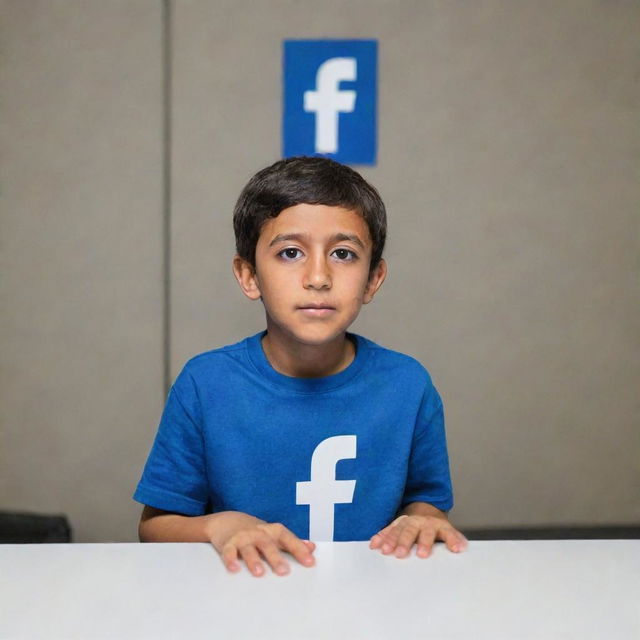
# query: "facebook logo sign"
x,y
330,98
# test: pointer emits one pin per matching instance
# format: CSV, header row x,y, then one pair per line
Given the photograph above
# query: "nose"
x,y
317,274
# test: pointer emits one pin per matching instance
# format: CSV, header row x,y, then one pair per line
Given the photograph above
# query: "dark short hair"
x,y
308,180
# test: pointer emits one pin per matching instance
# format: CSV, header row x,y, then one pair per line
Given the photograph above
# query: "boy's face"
x,y
312,272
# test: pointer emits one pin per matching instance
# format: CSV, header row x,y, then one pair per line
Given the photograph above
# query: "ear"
x,y
375,282
246,276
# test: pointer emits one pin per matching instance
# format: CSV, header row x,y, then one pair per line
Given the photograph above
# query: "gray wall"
x,y
81,205
508,155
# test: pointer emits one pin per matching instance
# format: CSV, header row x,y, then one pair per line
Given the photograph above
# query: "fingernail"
x,y
386,548
400,552
282,569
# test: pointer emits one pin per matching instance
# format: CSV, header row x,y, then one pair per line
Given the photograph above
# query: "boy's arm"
x,y
422,524
235,535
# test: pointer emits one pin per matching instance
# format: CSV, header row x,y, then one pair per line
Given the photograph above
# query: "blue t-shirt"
x,y
331,458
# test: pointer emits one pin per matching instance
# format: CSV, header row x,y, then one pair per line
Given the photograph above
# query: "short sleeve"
x,y
428,478
174,477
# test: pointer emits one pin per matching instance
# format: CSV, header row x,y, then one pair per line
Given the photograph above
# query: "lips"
x,y
316,306
316,310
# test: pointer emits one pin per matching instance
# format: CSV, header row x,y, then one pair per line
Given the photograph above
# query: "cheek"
x,y
269,282
358,289
275,294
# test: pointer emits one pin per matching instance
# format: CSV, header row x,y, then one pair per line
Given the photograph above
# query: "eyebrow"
x,y
338,237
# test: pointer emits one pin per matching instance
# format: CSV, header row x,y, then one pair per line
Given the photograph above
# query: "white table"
x,y
534,589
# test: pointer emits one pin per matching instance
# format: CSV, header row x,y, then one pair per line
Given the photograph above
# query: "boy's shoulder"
x,y
389,361
220,356
216,369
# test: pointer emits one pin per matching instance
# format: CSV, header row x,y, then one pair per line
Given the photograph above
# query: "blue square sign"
x,y
330,95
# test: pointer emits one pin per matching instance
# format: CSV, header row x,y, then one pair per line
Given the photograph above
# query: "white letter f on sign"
x,y
327,101
323,491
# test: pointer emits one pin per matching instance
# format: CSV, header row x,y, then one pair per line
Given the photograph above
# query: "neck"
x,y
307,361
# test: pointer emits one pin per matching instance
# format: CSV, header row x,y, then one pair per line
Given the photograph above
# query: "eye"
x,y
344,255
290,253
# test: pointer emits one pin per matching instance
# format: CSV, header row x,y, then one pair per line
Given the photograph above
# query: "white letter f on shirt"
x,y
323,491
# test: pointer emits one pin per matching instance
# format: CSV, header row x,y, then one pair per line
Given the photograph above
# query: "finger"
x,y
301,550
426,538
387,536
384,540
453,539
274,558
376,541
406,538
392,533
251,558
229,556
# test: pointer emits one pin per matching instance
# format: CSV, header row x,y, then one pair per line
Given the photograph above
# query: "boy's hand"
x,y
254,541
423,530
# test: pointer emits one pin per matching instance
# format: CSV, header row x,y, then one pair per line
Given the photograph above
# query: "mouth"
x,y
312,305
316,310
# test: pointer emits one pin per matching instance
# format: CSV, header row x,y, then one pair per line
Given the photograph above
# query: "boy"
x,y
304,430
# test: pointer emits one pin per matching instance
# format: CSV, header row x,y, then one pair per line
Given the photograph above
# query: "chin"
x,y
317,339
